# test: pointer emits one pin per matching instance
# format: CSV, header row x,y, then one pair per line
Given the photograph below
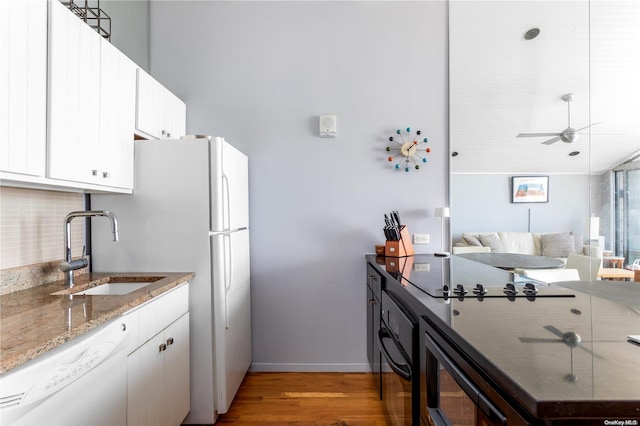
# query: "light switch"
x,y
327,125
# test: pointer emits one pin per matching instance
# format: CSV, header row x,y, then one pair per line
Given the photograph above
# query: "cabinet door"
x,y
145,383
158,381
74,96
148,105
173,116
177,382
159,113
373,325
117,117
23,90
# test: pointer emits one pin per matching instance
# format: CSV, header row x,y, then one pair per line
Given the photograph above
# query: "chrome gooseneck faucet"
x,y
68,266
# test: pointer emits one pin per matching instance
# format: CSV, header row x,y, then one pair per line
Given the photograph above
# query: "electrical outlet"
x,y
420,238
423,267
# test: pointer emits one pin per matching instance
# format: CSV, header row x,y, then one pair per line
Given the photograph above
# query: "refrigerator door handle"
x,y
226,205
227,276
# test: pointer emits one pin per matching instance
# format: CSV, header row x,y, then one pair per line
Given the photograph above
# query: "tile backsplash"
x,y
31,226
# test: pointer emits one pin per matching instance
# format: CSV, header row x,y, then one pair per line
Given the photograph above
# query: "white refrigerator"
x,y
189,212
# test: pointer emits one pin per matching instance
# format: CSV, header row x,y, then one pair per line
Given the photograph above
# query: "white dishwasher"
x,y
82,382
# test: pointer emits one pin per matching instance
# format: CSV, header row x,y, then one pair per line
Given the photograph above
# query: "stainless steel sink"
x,y
112,286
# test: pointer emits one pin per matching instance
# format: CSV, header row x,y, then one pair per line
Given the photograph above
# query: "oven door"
x,y
396,381
397,340
452,398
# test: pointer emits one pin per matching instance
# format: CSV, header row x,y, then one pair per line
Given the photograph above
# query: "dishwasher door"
x,y
83,382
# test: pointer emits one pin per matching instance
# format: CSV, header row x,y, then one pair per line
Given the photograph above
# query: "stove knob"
x,y
510,289
530,289
479,289
460,290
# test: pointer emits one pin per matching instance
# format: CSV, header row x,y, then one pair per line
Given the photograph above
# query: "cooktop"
x,y
460,278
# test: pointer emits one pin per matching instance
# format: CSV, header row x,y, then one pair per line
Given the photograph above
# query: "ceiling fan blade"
x,y
550,141
536,135
554,330
538,340
586,127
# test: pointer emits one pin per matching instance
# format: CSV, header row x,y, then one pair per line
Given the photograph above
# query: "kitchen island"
x,y
545,353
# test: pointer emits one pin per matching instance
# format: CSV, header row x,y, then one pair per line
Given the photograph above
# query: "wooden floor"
x,y
302,399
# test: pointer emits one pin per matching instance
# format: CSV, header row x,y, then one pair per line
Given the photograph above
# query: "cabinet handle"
x,y
94,172
372,301
164,132
162,348
105,174
123,327
168,134
170,341
373,278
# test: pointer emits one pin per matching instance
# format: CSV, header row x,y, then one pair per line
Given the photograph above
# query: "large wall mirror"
x,y
512,63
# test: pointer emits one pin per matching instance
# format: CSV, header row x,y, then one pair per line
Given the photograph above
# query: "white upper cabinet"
x,y
117,117
74,97
91,105
71,103
159,113
23,78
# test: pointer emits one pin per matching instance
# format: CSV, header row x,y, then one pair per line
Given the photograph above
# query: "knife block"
x,y
400,248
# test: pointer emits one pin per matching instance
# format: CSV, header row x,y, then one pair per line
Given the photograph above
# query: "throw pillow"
x,y
557,245
492,240
578,241
471,240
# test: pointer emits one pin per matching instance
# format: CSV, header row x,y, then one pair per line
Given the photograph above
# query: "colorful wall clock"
x,y
409,151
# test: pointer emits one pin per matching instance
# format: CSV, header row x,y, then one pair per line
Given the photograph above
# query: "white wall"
x,y
260,73
130,28
482,202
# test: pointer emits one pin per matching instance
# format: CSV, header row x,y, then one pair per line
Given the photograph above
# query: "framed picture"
x,y
530,189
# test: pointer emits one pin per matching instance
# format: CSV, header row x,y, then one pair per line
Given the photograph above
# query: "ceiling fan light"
x,y
531,33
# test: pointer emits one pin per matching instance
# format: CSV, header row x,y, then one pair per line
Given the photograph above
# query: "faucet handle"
x,y
74,264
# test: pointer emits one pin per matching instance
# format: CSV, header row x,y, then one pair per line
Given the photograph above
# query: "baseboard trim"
x,y
310,368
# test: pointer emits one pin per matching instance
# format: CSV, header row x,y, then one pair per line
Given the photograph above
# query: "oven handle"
x,y
403,370
469,388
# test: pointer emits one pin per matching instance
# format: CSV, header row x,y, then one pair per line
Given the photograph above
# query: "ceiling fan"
x,y
568,135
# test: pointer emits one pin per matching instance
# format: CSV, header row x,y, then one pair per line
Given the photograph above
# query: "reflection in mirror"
x,y
523,76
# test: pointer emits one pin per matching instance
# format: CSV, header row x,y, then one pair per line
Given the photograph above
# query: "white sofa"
x,y
552,244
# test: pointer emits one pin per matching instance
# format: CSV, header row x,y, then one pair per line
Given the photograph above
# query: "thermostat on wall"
x,y
327,126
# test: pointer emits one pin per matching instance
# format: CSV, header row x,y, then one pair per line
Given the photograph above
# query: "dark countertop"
x,y
518,343
34,320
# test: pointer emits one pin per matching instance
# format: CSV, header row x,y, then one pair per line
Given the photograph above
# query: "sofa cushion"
x,y
558,245
518,242
471,240
492,240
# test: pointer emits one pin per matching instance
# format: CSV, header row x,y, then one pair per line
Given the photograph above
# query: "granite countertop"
x,y
35,320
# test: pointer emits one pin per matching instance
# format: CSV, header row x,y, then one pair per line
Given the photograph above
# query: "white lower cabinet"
x,y
158,381
158,370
